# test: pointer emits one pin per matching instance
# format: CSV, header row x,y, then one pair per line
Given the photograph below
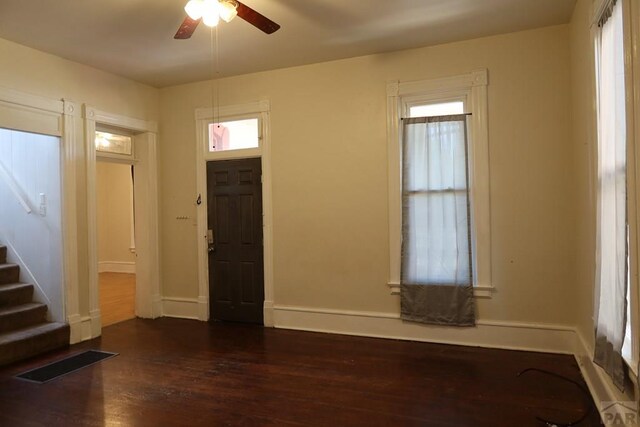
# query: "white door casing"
x,y
146,213
204,116
36,114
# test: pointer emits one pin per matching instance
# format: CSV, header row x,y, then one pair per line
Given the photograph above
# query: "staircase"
x,y
24,330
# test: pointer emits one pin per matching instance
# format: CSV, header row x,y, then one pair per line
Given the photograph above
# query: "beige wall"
x,y
114,210
328,124
38,73
584,139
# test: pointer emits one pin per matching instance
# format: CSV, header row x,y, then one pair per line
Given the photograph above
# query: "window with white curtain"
x,y
612,254
435,190
451,95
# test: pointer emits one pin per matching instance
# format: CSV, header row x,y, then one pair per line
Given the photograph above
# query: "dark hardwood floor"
x,y
173,372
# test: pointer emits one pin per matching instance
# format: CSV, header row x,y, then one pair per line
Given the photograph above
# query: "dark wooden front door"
x,y
236,273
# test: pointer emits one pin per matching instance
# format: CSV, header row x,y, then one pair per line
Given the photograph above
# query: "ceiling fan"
x,y
211,11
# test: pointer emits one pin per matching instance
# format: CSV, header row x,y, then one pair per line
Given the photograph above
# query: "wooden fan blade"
x,y
256,19
187,28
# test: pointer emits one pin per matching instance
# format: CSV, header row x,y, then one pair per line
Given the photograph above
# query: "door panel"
x,y
236,271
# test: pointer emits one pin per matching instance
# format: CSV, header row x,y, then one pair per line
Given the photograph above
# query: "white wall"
x,y
115,211
34,240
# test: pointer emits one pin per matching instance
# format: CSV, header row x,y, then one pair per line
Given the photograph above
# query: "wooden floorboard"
x,y
173,372
117,297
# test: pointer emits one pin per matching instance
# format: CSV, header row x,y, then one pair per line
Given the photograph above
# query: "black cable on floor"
x,y
582,388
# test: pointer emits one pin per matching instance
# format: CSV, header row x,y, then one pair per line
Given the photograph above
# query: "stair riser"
x,y
3,254
33,346
19,296
23,319
9,274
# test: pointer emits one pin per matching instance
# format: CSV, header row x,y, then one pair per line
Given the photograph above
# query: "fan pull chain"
x,y
218,74
213,71
215,74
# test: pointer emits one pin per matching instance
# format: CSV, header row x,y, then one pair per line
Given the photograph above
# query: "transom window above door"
x,y
234,135
112,143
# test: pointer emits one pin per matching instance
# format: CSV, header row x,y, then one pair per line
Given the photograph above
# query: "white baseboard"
x,y
83,328
600,385
156,306
203,308
183,308
116,267
75,327
504,335
268,314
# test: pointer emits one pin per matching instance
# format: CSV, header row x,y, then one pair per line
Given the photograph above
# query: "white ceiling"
x,y
134,38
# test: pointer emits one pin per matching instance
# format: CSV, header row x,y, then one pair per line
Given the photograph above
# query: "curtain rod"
x,y
445,115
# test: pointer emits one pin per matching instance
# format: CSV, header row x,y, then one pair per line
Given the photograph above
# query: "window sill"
x,y
478,291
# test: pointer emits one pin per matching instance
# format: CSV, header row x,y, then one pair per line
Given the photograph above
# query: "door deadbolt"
x,y
210,241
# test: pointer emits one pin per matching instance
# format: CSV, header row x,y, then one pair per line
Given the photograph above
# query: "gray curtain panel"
x,y
437,268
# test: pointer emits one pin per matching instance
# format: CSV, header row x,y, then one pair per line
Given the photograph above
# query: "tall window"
x,y
612,263
436,238
448,96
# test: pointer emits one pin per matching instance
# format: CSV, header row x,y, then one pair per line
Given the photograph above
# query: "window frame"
x,y
472,89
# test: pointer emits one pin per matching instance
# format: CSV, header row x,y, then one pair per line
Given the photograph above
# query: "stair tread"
x,y
8,265
30,331
21,307
11,286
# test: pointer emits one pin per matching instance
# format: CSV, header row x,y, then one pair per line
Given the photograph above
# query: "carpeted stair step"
x,y
21,316
3,254
33,340
9,273
15,294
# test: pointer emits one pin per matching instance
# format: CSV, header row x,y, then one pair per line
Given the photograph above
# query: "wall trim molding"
x,y
268,311
117,267
181,308
536,337
600,386
81,328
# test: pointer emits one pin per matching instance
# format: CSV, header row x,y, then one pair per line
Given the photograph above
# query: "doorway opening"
x,y
130,143
116,240
31,214
234,133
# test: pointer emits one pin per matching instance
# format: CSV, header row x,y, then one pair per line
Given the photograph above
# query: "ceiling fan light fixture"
x,y
228,10
195,9
211,13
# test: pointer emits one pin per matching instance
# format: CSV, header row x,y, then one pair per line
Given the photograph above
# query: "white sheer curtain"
x,y
436,204
436,251
611,247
